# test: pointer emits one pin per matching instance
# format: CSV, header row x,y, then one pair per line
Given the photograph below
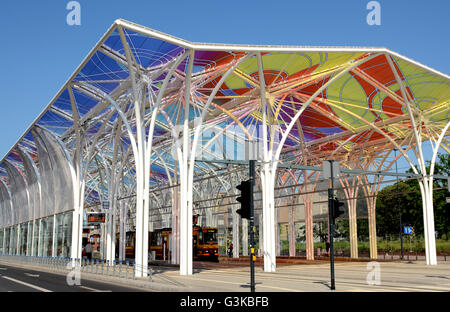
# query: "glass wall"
x,y
13,241
6,240
59,219
36,237
1,241
39,237
29,238
66,232
46,237
49,236
23,235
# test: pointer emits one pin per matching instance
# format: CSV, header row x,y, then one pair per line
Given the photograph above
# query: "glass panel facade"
x,y
1,240
36,237
13,241
39,237
66,234
46,237
6,240
23,235
58,234
29,238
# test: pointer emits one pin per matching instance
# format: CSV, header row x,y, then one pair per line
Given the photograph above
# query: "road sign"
x,y
407,230
105,205
331,166
448,200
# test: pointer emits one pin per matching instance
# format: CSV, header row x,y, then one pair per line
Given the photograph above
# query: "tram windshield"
x,y
208,236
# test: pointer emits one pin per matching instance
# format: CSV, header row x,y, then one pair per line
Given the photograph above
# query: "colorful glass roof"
x,y
357,109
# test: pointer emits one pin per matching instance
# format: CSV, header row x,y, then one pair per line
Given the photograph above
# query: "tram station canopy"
x,y
359,113
351,104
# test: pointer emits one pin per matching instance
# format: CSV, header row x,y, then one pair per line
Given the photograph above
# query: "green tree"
x,y
393,199
441,208
406,197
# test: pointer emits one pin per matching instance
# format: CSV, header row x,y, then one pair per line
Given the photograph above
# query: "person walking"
x,y
230,250
88,250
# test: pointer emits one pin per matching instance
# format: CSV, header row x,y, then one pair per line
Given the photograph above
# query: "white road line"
x,y
93,289
3,269
32,275
26,284
259,285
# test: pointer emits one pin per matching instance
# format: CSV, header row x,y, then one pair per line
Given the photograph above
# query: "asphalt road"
x,y
13,279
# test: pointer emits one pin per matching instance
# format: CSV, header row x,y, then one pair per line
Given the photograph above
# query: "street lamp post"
x,y
398,207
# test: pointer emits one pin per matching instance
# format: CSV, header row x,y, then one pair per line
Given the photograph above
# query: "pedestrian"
x,y
230,250
88,250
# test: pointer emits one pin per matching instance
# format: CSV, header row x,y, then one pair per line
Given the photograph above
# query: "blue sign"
x,y
105,205
407,230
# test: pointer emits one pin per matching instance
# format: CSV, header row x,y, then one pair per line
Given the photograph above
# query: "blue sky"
x,y
39,51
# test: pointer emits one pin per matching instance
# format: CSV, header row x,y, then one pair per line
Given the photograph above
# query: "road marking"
x,y
281,288
32,275
3,269
26,284
93,289
259,285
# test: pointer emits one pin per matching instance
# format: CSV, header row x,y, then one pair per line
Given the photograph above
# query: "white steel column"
x,y
426,188
267,180
175,244
113,184
186,170
148,150
141,244
185,199
78,190
122,230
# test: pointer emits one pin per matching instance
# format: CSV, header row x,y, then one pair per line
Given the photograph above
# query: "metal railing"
x,y
119,269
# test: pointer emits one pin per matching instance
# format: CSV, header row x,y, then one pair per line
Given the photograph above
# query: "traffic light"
x,y
336,208
244,199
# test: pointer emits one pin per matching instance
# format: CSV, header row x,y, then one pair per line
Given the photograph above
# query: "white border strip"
x,y
26,284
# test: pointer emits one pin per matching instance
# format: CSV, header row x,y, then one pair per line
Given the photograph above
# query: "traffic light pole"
x,y
331,227
252,226
331,235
